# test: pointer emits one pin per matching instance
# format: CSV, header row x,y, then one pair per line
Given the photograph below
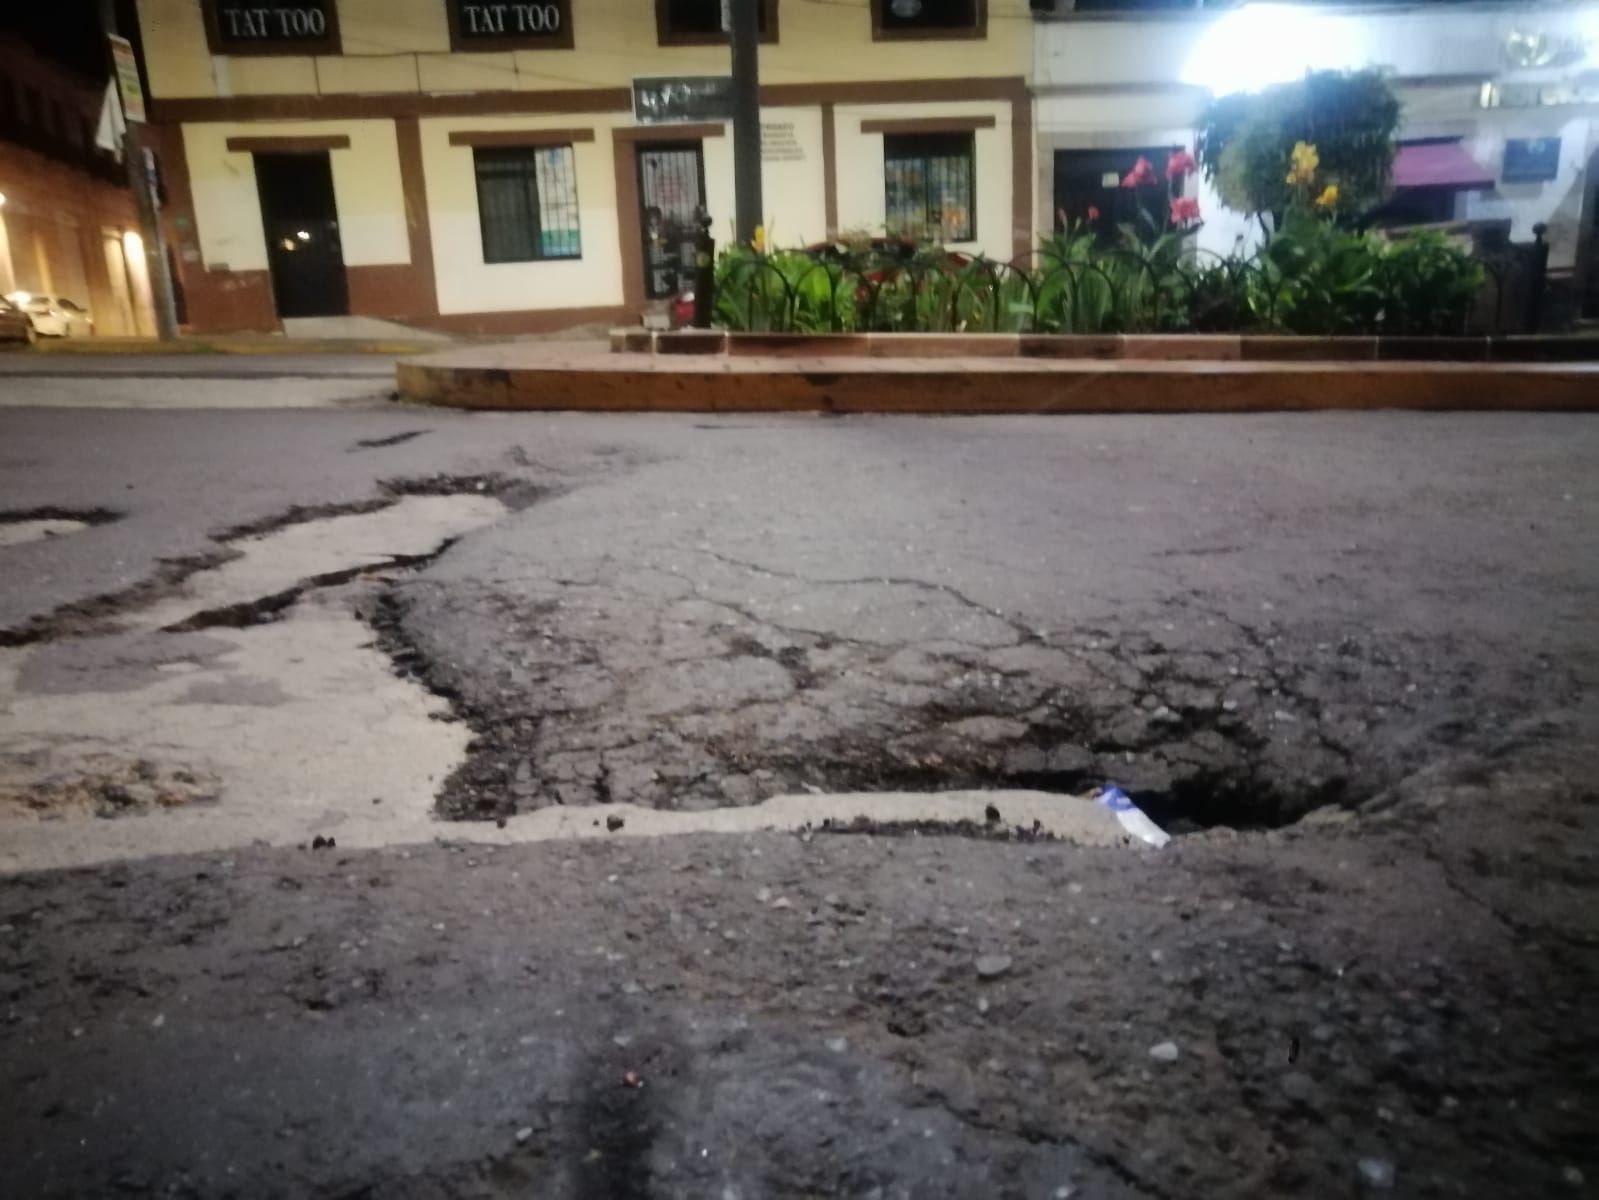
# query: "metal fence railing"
x,y
1118,291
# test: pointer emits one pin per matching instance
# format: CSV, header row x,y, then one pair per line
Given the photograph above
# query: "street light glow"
x,y
1248,48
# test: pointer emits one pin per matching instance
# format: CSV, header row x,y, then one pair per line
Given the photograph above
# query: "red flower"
x,y
1143,172
1093,213
1184,209
1179,164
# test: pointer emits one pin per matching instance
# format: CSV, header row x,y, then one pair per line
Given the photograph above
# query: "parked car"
x,y
15,325
54,316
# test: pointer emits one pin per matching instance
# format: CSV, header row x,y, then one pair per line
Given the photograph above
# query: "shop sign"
x,y
127,73
780,143
1531,160
509,24
1538,95
684,98
272,26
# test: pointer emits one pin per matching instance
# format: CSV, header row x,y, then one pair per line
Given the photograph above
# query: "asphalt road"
x,y
1388,619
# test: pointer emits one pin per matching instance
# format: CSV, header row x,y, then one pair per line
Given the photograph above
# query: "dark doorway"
x,y
1088,188
671,189
301,225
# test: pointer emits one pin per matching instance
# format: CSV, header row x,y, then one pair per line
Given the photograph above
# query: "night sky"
x,y
65,30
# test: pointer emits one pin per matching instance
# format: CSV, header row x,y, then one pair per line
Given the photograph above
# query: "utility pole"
x,y
140,163
746,38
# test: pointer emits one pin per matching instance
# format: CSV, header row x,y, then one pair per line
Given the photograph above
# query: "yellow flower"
x,y
1305,160
1328,197
759,241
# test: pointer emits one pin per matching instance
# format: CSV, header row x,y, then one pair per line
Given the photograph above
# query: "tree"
x,y
1246,140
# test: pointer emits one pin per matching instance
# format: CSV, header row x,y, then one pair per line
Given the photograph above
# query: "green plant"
x,y
1318,278
1428,285
785,292
1246,140
1312,276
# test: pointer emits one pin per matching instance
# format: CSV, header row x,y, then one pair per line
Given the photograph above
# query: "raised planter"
x,y
1136,347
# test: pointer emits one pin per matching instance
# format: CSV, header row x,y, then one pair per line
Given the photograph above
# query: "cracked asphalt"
x,y
1385,621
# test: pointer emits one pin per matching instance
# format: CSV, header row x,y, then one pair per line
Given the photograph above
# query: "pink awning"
x,y
1439,164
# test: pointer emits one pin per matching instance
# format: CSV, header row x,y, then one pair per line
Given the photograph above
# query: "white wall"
x,y
792,188
1557,203
465,282
366,192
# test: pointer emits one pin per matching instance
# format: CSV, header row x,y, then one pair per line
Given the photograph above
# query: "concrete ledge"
x,y
522,378
1181,347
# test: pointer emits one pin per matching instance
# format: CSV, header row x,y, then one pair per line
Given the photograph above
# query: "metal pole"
x,y
141,182
746,37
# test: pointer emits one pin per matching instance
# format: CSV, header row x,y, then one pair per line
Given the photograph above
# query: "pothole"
x,y
20,526
243,701
741,684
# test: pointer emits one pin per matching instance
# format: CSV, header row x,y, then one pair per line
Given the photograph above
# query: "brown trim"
x,y
462,44
569,100
880,34
328,43
414,193
1022,183
518,137
829,172
896,91
929,125
1473,80
667,133
629,237
552,320
390,105
287,145
666,36
1146,88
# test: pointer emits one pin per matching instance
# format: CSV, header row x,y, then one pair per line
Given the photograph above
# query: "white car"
x,y
54,316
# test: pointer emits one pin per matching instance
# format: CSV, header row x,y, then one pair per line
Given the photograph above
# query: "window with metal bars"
x,y
527,203
929,184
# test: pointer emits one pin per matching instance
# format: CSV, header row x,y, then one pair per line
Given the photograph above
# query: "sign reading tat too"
x,y
273,26
509,24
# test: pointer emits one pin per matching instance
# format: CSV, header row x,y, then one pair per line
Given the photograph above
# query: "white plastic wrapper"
x,y
1132,817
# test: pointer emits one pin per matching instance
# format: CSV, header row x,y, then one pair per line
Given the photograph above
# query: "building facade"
x,y
1499,124
68,226
515,167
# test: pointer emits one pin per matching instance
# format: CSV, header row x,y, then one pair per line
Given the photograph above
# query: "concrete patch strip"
x,y
520,377
254,708
17,533
354,824
272,731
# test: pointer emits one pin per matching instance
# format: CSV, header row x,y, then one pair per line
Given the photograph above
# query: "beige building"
x,y
68,228
509,167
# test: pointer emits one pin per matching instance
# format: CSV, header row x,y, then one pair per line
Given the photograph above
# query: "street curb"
x,y
503,378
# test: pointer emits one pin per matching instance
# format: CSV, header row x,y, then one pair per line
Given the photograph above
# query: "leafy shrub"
x,y
1245,140
1312,276
1428,285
